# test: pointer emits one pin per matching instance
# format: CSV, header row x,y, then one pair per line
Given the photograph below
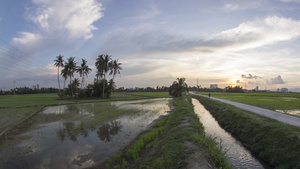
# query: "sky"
x,y
225,42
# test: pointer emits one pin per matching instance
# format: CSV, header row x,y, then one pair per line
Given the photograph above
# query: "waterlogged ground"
x,y
79,136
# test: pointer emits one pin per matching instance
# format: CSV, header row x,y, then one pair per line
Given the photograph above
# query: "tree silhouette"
x,y
59,62
115,68
83,70
70,67
178,87
102,65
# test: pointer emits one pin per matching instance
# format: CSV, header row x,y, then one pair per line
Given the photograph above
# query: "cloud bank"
x,y
248,35
59,23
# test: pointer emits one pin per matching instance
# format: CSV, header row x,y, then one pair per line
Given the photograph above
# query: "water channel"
x,y
238,155
58,144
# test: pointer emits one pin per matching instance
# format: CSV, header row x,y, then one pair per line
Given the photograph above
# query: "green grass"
x,y
277,143
272,101
164,146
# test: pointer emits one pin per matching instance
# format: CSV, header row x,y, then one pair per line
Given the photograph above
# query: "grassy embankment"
x,y
176,141
272,101
17,108
275,142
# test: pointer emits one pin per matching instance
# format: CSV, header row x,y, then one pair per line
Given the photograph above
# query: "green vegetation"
x,y
277,143
167,144
177,88
272,101
100,88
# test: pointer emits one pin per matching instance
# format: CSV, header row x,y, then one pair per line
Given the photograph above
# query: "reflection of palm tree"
x,y
106,131
70,130
61,134
116,127
103,133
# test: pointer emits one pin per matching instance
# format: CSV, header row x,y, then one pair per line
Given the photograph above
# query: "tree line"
x,y
100,88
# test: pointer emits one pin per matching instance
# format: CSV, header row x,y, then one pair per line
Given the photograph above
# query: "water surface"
x,y
60,144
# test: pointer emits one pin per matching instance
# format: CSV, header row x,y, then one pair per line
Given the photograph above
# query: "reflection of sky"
x,y
239,156
46,150
84,109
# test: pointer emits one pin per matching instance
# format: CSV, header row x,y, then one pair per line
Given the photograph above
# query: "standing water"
x,y
238,155
60,144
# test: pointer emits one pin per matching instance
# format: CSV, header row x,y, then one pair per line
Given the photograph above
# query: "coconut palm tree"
x,y
102,65
177,88
115,68
99,64
59,62
83,70
71,67
64,73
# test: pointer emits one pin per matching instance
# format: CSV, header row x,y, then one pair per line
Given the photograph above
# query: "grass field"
x,y
14,108
272,101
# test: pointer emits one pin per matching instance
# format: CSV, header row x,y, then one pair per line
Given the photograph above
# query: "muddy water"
x,y
238,155
58,145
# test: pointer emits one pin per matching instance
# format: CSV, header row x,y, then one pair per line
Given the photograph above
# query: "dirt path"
x,y
292,120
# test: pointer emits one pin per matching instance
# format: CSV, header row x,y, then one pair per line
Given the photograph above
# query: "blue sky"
x,y
249,43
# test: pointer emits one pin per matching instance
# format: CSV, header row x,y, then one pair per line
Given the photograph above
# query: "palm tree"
x,y
75,84
99,65
59,62
115,68
177,88
102,65
64,73
70,66
83,70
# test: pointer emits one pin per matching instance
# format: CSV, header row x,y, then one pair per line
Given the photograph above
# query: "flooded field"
x,y
72,136
238,155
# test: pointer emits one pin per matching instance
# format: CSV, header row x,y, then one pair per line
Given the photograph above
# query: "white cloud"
x,y
256,34
248,35
298,1
231,7
60,25
235,5
74,17
27,38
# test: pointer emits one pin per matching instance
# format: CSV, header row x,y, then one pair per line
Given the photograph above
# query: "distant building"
x,y
284,90
213,86
256,88
36,87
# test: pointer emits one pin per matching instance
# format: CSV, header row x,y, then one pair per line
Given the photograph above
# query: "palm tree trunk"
x,y
71,86
65,85
103,87
58,82
82,80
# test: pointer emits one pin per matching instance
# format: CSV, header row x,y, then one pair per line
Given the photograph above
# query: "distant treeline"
x,y
27,90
